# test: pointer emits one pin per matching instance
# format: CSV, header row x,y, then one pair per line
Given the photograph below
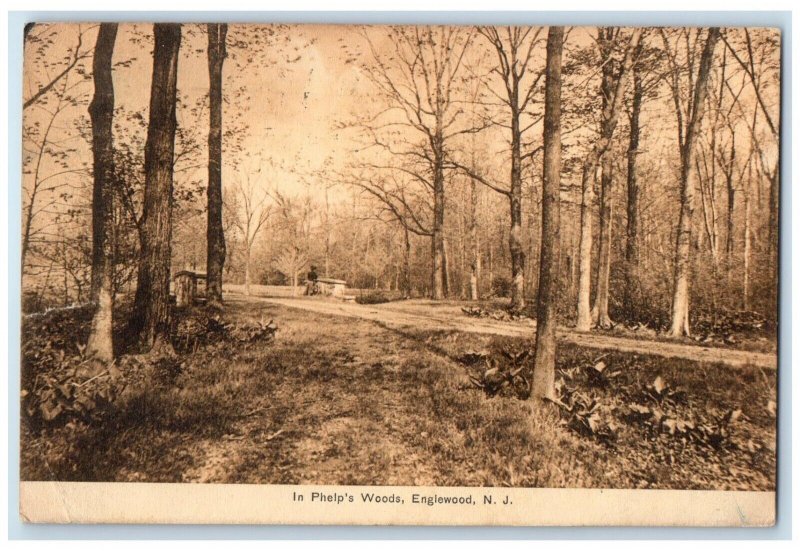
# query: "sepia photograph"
x,y
399,274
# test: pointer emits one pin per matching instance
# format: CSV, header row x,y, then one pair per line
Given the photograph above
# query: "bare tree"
x,y
758,73
290,262
612,95
545,354
101,110
687,137
150,317
399,200
515,48
249,212
418,79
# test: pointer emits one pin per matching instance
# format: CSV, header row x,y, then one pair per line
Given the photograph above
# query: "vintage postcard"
x,y
447,275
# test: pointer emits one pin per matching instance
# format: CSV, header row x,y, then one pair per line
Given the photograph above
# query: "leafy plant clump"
x,y
495,314
377,297
582,410
660,410
62,385
495,374
207,328
76,388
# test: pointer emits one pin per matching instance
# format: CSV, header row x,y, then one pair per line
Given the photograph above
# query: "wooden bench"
x,y
186,287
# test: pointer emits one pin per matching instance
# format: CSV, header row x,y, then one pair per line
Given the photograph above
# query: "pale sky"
x,y
298,85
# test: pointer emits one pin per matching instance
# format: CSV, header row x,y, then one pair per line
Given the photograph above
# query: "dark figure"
x,y
311,282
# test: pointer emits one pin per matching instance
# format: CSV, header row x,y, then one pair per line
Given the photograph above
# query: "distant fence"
x,y
284,290
265,290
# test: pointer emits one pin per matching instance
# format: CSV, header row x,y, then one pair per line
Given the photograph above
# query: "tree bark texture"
x,y
515,246
600,316
631,291
543,385
101,111
215,259
151,312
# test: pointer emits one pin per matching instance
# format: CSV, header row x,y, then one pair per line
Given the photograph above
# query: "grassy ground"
x,y
336,400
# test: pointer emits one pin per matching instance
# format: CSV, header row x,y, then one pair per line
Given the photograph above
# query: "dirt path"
x,y
428,315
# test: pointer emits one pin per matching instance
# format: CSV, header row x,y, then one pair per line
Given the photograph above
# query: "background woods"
x,y
420,172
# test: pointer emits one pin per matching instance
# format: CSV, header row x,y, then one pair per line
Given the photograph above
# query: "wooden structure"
x,y
328,287
186,287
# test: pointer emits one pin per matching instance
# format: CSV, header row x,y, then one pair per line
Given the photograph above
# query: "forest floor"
x,y
426,315
350,399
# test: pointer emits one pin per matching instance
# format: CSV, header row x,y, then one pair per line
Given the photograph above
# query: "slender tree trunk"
x,y
584,320
600,315
151,312
445,268
406,262
462,249
729,237
543,385
438,273
532,282
215,235
683,241
631,294
65,281
600,309
772,235
573,263
747,246
491,268
101,110
473,239
611,106
515,247
247,271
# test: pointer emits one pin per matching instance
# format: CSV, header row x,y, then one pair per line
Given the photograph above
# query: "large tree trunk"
x,y
215,255
151,312
631,292
101,110
545,354
515,247
683,240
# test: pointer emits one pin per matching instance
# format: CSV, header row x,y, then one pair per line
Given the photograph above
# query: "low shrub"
x,y
378,297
